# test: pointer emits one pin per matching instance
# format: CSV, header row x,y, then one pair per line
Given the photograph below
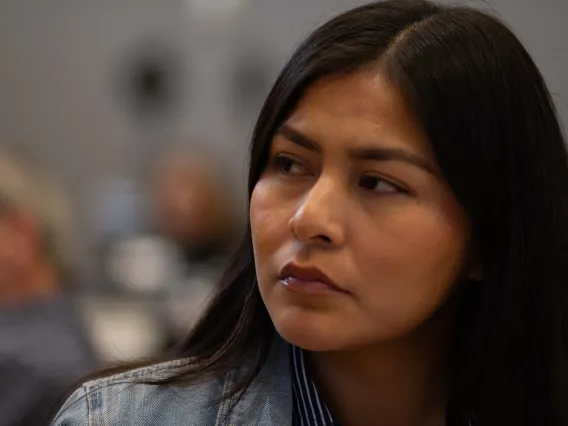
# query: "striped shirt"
x,y
309,409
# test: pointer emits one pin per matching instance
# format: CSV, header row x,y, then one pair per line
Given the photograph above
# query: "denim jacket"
x,y
119,401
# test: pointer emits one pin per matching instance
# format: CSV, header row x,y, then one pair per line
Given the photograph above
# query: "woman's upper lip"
x,y
307,273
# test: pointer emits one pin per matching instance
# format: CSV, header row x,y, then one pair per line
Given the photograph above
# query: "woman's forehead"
x,y
359,109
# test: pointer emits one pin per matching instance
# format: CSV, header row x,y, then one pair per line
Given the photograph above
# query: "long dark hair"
x,y
493,128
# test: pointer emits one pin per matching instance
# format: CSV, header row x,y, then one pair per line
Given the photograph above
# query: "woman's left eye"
x,y
377,184
289,166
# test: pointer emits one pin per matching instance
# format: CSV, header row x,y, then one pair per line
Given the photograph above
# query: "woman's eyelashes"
x,y
288,165
380,185
291,166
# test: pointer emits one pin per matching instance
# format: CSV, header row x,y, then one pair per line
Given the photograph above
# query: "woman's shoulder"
x,y
134,397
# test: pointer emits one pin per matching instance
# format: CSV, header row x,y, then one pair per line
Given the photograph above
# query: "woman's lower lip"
x,y
307,287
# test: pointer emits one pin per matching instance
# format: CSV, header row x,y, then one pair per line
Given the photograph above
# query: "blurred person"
x,y
192,206
404,263
42,346
196,213
167,237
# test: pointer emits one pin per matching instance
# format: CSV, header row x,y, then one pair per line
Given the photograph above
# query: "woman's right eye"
x,y
289,166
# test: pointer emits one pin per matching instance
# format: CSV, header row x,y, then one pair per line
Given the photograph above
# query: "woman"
x,y
404,260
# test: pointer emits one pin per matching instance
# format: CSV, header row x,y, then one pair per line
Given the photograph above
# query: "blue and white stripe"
x,y
309,409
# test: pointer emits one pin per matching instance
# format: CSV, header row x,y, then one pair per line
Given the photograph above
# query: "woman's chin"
x,y
309,342
314,334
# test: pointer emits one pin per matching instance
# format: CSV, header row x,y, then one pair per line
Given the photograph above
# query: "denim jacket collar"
x,y
268,400
124,399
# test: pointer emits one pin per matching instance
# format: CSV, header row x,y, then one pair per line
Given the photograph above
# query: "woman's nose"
x,y
319,217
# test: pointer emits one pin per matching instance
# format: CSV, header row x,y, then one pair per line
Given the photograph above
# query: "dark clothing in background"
x,y
43,352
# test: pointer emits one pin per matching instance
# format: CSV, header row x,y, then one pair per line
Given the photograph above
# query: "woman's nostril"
x,y
324,238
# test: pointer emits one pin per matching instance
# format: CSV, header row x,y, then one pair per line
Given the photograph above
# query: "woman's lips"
x,y
307,279
308,287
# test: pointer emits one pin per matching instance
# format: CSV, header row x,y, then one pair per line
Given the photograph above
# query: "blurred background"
x,y
124,128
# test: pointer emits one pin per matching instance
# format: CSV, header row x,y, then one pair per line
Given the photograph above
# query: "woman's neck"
x,y
402,383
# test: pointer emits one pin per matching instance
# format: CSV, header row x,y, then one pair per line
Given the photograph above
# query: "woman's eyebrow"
x,y
363,153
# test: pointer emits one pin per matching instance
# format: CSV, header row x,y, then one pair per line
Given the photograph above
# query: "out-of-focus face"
x,y
20,249
187,200
8,253
357,238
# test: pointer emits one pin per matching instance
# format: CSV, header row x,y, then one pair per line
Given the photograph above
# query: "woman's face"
x,y
357,238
